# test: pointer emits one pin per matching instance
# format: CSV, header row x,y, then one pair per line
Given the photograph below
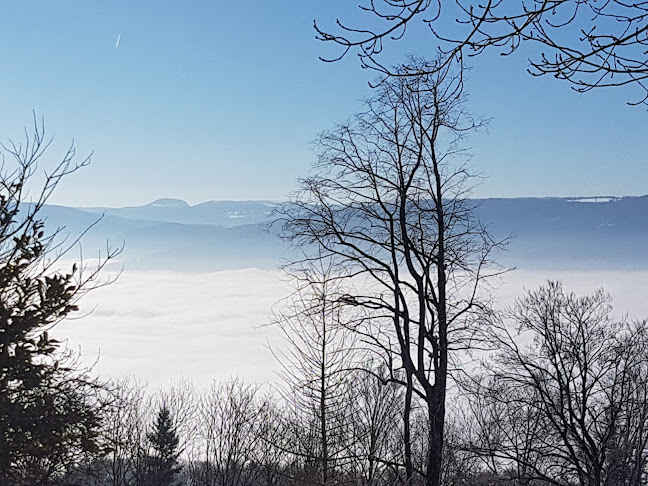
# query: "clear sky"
x,y
205,100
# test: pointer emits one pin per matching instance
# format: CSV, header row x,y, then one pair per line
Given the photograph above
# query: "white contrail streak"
x,y
118,39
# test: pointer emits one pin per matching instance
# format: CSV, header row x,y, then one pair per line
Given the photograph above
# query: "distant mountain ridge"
x,y
559,233
606,233
222,213
169,203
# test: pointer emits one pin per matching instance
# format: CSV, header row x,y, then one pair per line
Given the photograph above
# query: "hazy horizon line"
x,y
278,201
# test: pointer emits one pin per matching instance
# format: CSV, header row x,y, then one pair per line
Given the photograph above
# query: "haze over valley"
x,y
199,283
596,233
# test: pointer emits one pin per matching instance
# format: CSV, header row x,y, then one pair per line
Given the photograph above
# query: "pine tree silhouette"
x,y
50,407
163,462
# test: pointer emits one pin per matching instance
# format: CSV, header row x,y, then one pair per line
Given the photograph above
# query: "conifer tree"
x,y
50,412
163,463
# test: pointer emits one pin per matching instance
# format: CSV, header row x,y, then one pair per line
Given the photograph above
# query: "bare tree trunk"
x,y
407,434
324,395
436,417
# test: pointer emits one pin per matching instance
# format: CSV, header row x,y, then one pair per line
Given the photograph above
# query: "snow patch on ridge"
x,y
595,199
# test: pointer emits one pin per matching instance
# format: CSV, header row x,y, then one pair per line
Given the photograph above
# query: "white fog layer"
x,y
161,326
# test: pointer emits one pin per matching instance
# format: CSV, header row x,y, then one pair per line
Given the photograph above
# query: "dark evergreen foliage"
x,y
50,413
163,463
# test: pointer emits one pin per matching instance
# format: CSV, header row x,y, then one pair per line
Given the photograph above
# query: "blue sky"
x,y
219,100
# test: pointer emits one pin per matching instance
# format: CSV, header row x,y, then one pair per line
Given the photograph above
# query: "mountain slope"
x,y
552,233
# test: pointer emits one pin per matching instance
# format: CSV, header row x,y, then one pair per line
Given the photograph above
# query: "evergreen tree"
x,y
50,414
163,463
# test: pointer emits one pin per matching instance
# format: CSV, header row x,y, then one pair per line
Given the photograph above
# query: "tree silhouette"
x,y
316,368
584,42
163,463
386,207
565,400
50,412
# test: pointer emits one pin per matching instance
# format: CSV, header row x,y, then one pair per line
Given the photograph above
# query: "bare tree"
x,y
585,42
230,415
272,455
566,399
386,209
125,430
375,405
316,365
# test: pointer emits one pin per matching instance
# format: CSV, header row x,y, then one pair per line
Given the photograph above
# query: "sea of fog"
x,y
162,326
